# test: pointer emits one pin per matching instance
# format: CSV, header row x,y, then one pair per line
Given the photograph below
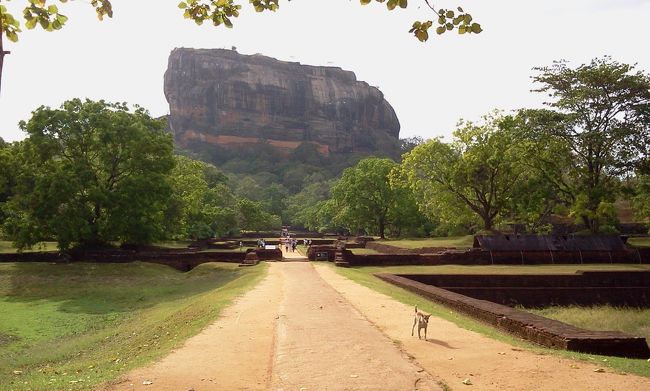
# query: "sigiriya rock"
x,y
223,98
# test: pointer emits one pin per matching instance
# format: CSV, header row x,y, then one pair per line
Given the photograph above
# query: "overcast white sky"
x,y
431,85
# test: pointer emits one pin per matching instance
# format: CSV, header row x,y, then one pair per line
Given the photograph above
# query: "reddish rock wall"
x,y
225,98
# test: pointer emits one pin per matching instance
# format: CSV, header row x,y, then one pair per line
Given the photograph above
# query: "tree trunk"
x,y
382,227
488,222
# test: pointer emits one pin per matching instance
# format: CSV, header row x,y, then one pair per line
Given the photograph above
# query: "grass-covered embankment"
x,y
634,321
8,247
639,241
451,241
364,276
72,326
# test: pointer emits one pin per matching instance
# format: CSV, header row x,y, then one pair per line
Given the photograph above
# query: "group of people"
x,y
290,244
286,240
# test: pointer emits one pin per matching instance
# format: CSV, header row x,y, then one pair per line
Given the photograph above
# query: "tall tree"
x,y
252,216
201,206
364,198
600,114
89,173
472,177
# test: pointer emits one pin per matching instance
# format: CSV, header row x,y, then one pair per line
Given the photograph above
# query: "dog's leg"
x,y
414,322
419,328
425,333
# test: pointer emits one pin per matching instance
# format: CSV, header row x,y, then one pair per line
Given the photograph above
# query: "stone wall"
x,y
582,288
181,259
478,257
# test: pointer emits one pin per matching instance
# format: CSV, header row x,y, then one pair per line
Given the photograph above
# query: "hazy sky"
x,y
431,85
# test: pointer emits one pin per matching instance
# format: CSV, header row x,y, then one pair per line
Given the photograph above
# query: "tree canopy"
x,y
472,177
90,173
598,124
201,205
364,199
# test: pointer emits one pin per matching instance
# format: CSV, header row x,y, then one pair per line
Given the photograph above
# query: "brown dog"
x,y
422,321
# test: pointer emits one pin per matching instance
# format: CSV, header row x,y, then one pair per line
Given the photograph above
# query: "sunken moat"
x,y
490,297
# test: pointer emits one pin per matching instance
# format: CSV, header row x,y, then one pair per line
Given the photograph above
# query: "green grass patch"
x,y
639,242
227,250
364,251
634,321
73,326
364,276
174,243
8,247
451,241
501,269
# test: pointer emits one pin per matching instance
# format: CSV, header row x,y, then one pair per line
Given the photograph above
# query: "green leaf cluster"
x,y
217,11
220,12
10,26
447,20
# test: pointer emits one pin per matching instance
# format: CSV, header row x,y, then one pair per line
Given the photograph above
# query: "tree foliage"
x,y
472,177
600,119
46,15
252,216
202,205
90,173
364,199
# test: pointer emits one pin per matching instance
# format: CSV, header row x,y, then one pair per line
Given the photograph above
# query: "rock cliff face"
x,y
225,98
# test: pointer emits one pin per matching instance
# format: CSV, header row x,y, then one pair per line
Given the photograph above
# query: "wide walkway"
x,y
292,332
305,327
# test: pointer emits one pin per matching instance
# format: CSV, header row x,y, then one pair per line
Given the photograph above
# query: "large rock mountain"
x,y
224,98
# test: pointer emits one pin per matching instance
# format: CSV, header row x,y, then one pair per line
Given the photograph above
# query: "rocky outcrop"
x,y
225,98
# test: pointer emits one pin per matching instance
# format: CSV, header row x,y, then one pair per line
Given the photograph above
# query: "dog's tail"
x,y
416,309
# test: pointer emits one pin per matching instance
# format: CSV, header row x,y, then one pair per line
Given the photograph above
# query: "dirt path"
x,y
233,353
456,354
291,332
305,327
323,343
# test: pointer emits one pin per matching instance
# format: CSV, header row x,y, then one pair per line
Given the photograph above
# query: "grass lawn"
x,y
639,242
8,247
634,321
364,251
451,241
364,276
73,326
227,250
174,243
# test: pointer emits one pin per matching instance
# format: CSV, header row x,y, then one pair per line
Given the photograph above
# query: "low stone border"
x,y
180,259
479,257
389,249
543,331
